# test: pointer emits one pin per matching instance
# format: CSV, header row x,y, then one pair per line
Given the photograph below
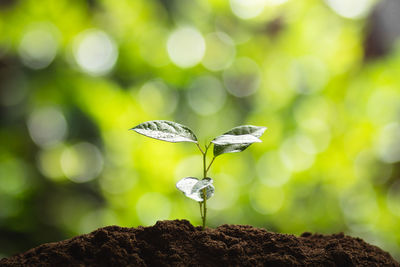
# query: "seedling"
x,y
235,140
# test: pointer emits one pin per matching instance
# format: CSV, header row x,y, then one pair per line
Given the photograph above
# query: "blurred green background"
x,y
323,76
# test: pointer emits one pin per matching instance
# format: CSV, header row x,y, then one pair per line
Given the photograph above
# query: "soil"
x,y
178,243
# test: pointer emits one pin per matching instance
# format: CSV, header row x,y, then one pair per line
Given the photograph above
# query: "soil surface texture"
x,y
178,243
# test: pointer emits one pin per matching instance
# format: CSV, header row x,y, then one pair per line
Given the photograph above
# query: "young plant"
x,y
235,140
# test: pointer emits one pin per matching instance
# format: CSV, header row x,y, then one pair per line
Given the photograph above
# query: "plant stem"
x,y
210,164
201,150
204,162
201,210
204,208
205,169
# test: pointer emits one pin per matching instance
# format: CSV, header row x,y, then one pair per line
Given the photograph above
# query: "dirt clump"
x,y
178,243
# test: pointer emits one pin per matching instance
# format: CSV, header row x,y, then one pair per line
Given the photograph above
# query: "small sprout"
x,y
235,140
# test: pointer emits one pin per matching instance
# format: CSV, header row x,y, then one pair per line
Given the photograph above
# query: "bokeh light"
x,y
157,99
247,9
360,208
309,75
95,52
81,162
274,2
220,51
47,126
243,78
49,162
351,9
272,171
297,153
38,46
206,95
186,47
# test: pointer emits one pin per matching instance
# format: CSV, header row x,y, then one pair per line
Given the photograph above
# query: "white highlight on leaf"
x,y
256,131
231,147
228,139
192,187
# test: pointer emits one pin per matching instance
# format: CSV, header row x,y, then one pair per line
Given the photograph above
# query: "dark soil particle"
x,y
178,243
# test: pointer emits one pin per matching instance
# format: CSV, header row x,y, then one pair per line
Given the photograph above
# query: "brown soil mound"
x,y
178,243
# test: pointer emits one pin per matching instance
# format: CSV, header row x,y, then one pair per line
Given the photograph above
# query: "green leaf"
x,y
193,187
256,131
240,142
166,131
222,149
